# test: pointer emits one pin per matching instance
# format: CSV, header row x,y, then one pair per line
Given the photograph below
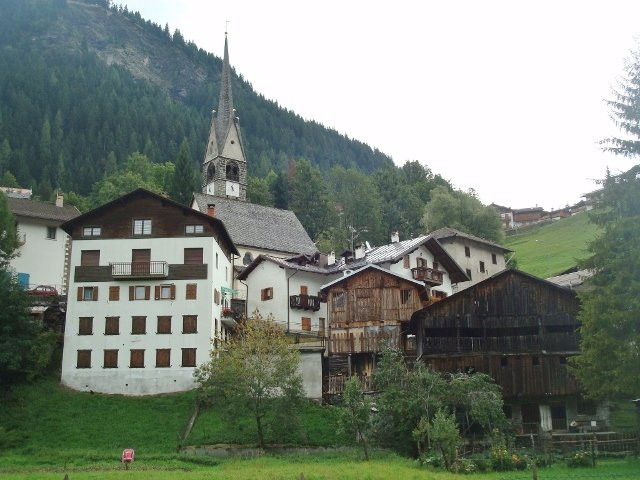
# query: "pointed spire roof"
x,y
225,114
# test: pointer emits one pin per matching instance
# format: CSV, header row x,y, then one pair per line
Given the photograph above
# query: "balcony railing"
x,y
427,275
336,383
306,302
364,342
566,342
139,269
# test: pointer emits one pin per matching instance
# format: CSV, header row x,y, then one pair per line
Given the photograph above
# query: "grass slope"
x,y
549,249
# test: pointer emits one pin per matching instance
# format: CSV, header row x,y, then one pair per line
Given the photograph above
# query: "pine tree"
x,y
185,177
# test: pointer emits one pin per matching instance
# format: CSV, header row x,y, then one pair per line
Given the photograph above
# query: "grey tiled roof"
x,y
281,262
447,232
36,209
572,279
257,226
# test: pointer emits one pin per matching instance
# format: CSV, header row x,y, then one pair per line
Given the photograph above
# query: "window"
x,y
436,266
87,294
535,361
112,326
139,292
338,300
193,256
562,360
165,292
216,296
304,290
469,273
503,361
266,293
192,291
306,324
467,252
142,227
494,259
481,267
110,359
114,294
188,357
138,325
90,258
405,296
189,324
163,357
85,326
193,229
51,233
84,359
586,408
247,259
164,324
137,358
91,231
421,262
406,261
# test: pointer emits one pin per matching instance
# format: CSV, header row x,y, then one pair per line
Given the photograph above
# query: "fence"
x,y
602,442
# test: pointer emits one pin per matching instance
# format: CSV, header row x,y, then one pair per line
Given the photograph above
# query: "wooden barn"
x,y
520,330
367,309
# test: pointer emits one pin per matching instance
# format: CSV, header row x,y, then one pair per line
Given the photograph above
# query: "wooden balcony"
x,y
427,275
565,342
139,269
364,342
305,302
335,384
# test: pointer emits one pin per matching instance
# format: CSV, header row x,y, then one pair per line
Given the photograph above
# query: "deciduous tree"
x,y
355,417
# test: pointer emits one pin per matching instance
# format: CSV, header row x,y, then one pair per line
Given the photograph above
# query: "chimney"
x,y
59,200
331,258
359,251
395,237
211,210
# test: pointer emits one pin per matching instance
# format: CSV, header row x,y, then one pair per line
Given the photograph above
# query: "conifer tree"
x,y
185,177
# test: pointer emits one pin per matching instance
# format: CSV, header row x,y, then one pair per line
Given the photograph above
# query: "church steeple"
x,y
224,169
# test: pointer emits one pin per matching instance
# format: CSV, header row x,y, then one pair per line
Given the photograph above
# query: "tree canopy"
x,y
8,234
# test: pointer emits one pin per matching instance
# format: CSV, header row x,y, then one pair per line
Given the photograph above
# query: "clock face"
x,y
233,189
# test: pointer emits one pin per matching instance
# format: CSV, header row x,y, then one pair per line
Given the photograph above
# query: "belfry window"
x,y
232,172
211,172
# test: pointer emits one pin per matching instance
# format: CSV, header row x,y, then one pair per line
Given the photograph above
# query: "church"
x,y
255,229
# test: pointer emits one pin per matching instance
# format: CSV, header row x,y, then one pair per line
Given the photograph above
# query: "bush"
x,y
431,459
463,465
579,459
482,462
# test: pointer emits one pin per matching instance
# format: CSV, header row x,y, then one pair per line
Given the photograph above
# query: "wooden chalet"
x,y
520,330
367,309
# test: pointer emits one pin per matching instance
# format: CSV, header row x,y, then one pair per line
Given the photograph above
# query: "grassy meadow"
x,y
549,249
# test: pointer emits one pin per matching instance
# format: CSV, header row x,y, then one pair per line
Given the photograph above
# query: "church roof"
x,y
257,226
225,114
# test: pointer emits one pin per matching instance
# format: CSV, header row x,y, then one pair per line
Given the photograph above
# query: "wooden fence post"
x,y
534,471
593,450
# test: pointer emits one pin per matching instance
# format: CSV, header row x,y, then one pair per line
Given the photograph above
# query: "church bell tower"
x,y
224,169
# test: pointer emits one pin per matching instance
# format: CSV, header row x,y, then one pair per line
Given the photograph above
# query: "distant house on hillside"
x,y
520,330
526,216
506,215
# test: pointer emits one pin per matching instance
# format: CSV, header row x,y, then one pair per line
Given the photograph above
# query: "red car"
x,y
44,290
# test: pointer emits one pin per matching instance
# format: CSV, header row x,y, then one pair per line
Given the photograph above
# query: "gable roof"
x,y
393,252
370,267
257,226
141,192
447,232
282,263
24,207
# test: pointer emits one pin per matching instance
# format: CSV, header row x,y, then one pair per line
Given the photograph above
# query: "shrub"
x,y
463,465
431,459
579,459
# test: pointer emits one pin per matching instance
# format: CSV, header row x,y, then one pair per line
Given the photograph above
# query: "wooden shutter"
x,y
188,357
164,324
138,325
303,290
421,262
114,294
147,292
163,357
173,291
140,261
406,261
192,291
132,292
157,292
84,359
112,326
90,258
137,358
110,359
95,294
79,294
189,324
85,326
306,324
193,256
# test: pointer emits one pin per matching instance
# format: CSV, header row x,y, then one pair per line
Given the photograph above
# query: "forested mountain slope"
x,y
83,85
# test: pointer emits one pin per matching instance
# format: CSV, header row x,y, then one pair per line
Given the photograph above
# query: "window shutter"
x,y
114,294
147,292
303,290
79,294
306,324
173,291
157,292
95,294
192,291
132,292
193,256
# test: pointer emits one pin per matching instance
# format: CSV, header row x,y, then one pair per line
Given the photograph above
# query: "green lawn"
x,y
549,249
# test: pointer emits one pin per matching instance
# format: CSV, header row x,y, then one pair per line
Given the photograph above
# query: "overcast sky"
x,y
506,97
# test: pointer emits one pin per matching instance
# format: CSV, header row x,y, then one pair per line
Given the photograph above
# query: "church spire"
x,y
226,112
